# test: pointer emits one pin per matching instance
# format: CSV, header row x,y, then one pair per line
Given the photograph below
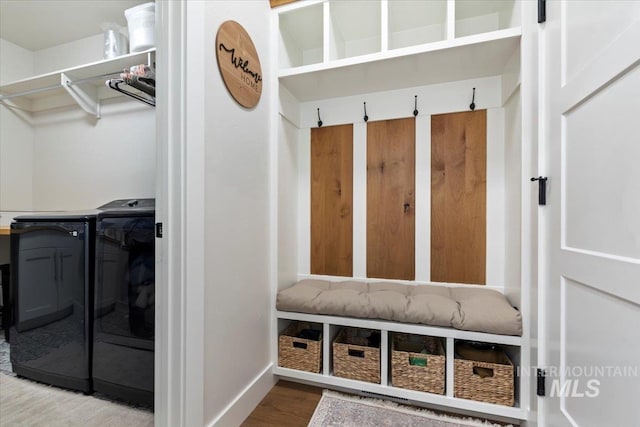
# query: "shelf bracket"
x,y
87,101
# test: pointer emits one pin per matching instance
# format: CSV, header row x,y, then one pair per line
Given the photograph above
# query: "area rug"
x,y
5,362
26,403
337,409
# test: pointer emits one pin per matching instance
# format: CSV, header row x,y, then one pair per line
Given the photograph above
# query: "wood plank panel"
x,y
287,404
276,3
391,199
459,197
332,200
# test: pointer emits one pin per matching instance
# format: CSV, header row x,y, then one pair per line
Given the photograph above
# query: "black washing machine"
x,y
52,274
124,304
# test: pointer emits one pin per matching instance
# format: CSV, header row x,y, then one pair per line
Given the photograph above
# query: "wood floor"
x,y
287,405
291,405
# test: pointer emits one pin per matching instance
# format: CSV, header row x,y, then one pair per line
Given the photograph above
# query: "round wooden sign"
x,y
239,64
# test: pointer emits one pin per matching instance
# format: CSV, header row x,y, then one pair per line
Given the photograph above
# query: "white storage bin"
x,y
141,21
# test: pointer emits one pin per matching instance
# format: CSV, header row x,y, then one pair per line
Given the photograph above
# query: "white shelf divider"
x,y
327,339
384,357
450,353
326,32
451,19
419,65
384,25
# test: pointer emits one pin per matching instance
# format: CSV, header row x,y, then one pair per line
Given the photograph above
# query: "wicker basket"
x,y
355,357
300,353
483,375
414,370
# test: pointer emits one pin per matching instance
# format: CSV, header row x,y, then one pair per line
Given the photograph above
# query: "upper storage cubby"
x,y
355,28
413,22
332,48
301,37
482,16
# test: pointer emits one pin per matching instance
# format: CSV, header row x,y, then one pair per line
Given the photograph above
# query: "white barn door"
x,y
590,317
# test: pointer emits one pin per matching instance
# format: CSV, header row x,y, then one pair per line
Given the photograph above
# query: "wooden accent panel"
x,y
332,200
459,197
391,165
276,3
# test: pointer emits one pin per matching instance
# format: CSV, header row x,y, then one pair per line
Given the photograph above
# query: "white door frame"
x,y
179,351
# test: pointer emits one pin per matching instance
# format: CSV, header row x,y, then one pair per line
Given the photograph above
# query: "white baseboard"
x,y
246,401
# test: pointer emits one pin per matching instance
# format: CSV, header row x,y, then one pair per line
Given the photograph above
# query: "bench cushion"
x,y
465,308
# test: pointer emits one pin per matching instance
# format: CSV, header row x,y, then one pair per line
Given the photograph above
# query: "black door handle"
x,y
542,189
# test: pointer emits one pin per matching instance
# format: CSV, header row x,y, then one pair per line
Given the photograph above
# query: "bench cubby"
x,y
332,325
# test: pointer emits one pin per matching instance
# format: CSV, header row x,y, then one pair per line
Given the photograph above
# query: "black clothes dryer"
x,y
52,274
124,307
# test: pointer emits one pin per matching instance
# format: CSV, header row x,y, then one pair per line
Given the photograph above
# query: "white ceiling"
x,y
40,24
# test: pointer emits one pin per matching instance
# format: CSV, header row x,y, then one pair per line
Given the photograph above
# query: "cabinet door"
x,y
332,200
37,283
459,197
391,147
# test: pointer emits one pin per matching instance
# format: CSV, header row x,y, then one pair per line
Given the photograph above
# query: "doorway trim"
x,y
179,350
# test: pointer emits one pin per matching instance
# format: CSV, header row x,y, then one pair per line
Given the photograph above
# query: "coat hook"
x,y
415,106
473,100
366,118
319,121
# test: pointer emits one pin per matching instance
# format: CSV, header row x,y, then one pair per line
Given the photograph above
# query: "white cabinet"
x,y
326,34
386,53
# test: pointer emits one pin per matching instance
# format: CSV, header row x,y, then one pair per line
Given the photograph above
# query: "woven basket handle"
x,y
482,372
418,361
356,353
297,344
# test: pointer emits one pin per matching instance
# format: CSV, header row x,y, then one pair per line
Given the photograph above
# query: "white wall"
x,y
16,137
81,163
16,63
288,136
64,159
83,51
432,99
236,148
